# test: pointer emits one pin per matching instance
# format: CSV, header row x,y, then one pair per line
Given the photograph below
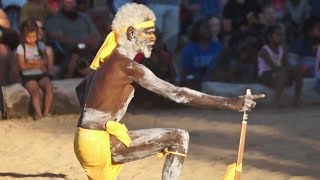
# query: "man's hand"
x,y
248,100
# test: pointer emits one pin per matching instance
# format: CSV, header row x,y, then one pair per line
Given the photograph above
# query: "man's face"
x,y
145,39
214,24
68,5
69,8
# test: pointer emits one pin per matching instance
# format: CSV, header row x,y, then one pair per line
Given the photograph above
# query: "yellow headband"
x,y
110,43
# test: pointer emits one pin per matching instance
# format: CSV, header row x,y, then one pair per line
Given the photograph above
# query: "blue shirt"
x,y
196,60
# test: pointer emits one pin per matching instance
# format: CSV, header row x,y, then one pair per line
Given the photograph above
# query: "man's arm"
x,y
148,80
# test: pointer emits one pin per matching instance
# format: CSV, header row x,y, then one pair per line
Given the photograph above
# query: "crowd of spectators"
x,y
198,40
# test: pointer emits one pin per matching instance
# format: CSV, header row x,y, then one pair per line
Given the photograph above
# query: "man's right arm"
x,y
148,80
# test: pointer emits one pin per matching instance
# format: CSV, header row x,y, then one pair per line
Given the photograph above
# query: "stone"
x,y
16,99
309,94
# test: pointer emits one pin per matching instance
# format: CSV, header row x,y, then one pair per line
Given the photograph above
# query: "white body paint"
x,y
123,110
94,115
90,115
166,89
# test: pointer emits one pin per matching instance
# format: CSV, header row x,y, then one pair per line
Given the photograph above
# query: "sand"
x,y
281,144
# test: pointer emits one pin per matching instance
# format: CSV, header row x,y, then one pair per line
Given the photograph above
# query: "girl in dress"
x,y
33,61
273,69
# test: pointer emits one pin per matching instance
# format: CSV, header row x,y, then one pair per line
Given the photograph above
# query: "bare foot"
x,y
38,117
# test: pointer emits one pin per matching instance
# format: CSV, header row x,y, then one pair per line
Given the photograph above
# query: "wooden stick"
x,y
241,144
242,140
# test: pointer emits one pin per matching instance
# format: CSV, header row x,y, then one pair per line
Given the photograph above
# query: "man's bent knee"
x,y
184,138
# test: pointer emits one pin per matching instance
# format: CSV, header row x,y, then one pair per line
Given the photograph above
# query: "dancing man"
x,y
101,143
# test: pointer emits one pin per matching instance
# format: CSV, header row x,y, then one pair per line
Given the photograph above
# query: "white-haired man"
x,y
101,143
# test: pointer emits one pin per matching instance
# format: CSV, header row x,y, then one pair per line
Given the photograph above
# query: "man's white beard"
x,y
146,51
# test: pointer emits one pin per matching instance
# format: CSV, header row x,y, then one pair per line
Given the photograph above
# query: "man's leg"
x,y
149,142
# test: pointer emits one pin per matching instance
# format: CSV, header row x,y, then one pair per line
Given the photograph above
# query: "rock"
x,y
309,94
17,99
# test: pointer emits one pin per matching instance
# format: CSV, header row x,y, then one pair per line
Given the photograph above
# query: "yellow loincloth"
x,y
92,148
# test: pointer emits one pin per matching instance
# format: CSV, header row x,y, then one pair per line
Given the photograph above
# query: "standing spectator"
x,y
297,11
315,8
35,9
273,69
167,14
198,55
302,52
70,28
33,61
279,8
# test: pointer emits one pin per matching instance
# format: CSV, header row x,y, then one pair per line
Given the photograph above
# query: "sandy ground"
x,y
281,144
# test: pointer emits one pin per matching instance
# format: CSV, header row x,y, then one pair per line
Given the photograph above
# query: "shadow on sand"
x,y
18,175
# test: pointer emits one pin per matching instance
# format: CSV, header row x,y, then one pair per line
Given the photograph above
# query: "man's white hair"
x,y
128,15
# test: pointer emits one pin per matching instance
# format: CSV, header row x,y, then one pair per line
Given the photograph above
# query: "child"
x,y
272,67
33,61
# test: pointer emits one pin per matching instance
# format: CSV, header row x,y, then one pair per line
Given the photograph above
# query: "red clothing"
x,y
53,5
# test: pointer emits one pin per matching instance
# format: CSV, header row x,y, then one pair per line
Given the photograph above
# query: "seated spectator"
x,y
69,29
84,5
33,61
273,69
198,55
161,63
53,70
315,8
317,72
53,4
238,62
297,10
9,40
296,13
236,11
302,51
35,9
80,60
215,27
8,72
224,70
5,52
167,14
278,7
246,51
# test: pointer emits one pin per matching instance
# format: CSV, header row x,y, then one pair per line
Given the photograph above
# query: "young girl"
x,y
273,69
33,62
